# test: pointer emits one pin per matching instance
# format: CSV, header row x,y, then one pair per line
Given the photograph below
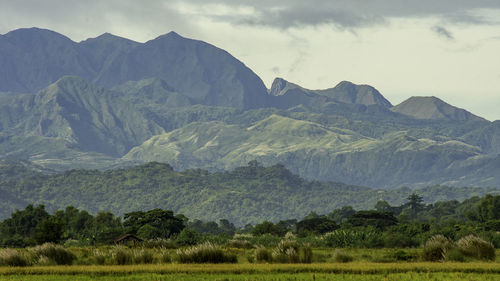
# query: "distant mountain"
x,y
348,92
34,58
288,94
111,102
319,152
433,108
77,112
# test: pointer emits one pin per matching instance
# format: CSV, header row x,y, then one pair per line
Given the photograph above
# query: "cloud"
x,y
77,17
443,32
345,13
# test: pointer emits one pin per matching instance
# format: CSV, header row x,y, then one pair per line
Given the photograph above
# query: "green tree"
x,y
50,229
339,215
165,223
316,225
20,229
266,227
379,220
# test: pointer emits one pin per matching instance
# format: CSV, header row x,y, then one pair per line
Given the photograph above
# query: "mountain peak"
x,y
172,35
348,92
280,86
31,34
433,108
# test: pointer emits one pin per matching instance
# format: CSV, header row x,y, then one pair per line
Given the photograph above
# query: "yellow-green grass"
x,y
411,276
338,268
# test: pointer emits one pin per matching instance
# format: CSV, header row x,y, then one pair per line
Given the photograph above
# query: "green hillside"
x,y
248,194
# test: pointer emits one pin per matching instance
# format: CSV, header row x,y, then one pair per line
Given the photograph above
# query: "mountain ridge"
x,y
194,105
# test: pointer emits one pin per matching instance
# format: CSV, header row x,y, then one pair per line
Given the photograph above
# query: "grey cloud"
x,y
78,18
443,32
349,13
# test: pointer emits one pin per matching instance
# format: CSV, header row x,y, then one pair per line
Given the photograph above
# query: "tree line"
x,y
406,225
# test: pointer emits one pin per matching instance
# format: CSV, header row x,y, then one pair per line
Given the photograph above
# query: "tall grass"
x,y
340,256
436,247
48,253
476,247
205,253
262,254
11,257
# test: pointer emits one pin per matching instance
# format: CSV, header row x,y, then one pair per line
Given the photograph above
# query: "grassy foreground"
x,y
330,268
265,277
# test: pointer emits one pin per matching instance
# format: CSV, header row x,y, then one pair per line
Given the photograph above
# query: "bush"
x,y
436,247
205,253
396,255
340,256
287,251
188,237
454,254
12,257
476,247
262,254
55,253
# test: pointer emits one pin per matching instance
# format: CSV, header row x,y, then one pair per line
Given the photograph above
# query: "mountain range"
x,y
109,102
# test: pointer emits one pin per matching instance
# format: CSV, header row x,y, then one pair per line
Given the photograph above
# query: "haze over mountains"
x,y
110,102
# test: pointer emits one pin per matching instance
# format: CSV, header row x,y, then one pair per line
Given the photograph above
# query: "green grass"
x,y
336,268
264,277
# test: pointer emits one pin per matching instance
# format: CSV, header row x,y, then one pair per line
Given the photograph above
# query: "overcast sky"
x,y
445,48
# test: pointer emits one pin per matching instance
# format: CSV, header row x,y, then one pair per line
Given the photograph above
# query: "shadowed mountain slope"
x,y
37,57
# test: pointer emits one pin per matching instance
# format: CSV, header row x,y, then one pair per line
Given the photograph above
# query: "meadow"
x,y
366,264
328,271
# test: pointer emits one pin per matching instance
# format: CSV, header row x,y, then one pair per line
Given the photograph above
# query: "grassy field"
x,y
263,277
326,271
366,264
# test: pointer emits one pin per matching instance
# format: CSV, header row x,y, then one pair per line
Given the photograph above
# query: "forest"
x,y
407,225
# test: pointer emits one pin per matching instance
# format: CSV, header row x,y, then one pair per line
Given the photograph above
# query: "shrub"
x,y
262,254
340,256
121,256
476,247
56,253
188,237
454,254
436,247
205,253
286,251
396,255
11,257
